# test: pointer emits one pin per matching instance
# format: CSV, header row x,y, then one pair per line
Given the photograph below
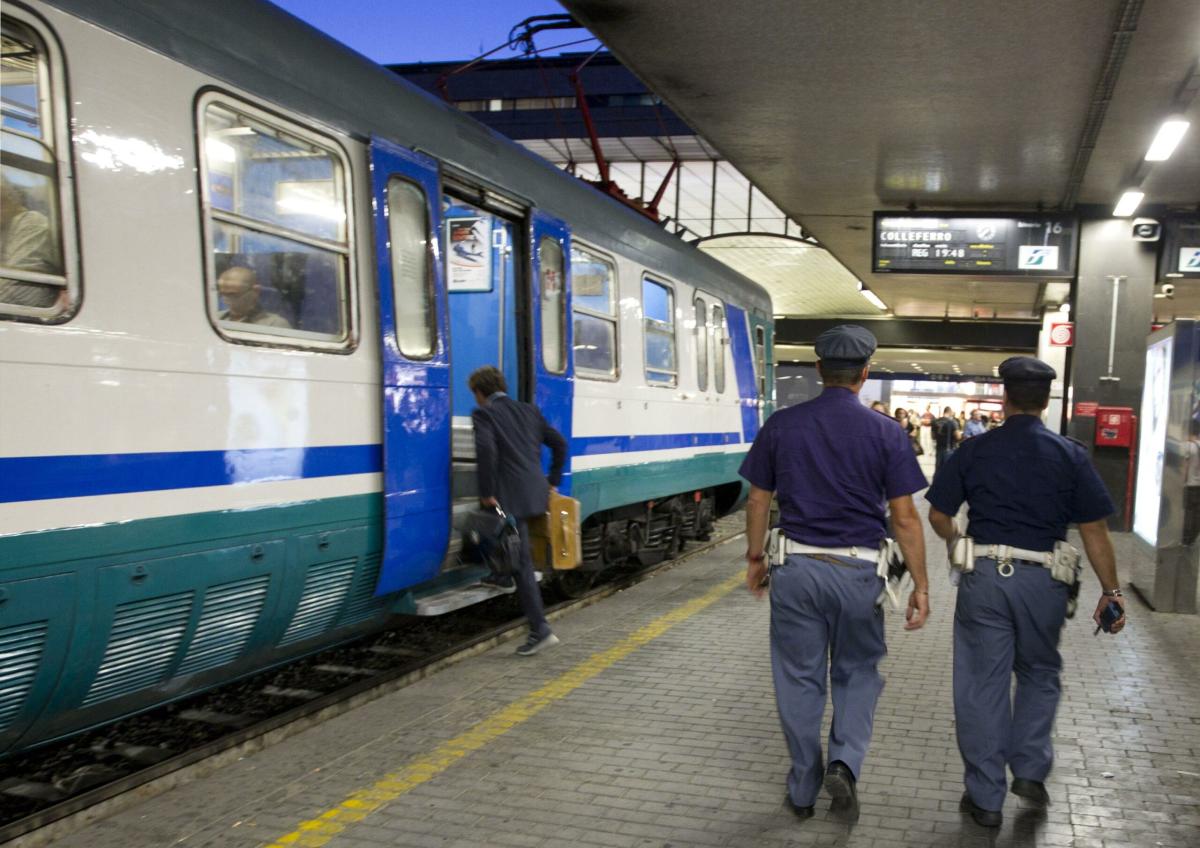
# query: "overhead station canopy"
x,y
838,109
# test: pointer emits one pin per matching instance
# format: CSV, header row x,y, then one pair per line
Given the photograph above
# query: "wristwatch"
x,y
1113,593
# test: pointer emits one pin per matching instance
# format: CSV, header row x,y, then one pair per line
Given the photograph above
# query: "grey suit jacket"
x,y
509,436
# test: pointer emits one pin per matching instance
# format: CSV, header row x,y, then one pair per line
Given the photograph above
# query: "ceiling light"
x,y
1128,203
1065,308
873,298
1166,140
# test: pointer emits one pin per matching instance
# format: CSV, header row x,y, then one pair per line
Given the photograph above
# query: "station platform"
x,y
654,724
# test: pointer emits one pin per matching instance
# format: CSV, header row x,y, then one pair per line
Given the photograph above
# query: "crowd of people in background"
x,y
941,433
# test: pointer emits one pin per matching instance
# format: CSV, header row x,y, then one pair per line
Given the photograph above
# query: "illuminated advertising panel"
x,y
1152,444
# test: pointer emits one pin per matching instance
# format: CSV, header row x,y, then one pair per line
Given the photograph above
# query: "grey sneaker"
x,y
533,644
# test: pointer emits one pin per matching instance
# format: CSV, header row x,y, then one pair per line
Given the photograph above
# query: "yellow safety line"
x,y
317,832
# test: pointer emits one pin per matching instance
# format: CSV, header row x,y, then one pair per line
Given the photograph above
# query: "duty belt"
x,y
790,546
1005,555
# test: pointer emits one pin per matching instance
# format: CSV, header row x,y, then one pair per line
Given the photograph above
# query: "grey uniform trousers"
x,y
1004,625
825,613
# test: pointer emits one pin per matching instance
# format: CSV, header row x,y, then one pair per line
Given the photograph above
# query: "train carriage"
x,y
234,425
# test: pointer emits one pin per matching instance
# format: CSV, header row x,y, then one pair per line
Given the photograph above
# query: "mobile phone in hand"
x,y
1109,616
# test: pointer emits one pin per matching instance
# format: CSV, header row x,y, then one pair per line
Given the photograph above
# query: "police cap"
x,y
1026,369
847,345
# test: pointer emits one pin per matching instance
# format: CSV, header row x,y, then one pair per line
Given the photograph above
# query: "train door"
x,y
416,367
554,382
486,297
741,326
764,370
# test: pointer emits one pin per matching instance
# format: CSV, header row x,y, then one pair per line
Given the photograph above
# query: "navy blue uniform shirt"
x,y
1023,483
833,463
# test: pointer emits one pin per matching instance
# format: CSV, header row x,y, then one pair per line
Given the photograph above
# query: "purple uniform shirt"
x,y
833,463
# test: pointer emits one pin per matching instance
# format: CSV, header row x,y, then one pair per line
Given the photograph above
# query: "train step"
x,y
449,600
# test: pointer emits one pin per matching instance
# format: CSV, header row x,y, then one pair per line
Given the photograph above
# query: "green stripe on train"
x,y
599,489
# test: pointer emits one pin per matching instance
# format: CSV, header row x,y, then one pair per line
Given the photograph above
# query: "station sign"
x,y
975,245
1180,256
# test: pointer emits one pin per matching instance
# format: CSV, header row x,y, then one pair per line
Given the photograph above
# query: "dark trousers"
x,y
824,621
1005,626
529,594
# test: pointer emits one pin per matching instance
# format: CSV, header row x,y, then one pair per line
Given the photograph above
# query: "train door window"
x,y
36,211
412,278
718,333
278,228
594,302
701,338
760,360
658,310
553,287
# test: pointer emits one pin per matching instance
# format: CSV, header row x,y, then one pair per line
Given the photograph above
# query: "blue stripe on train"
x,y
590,445
33,478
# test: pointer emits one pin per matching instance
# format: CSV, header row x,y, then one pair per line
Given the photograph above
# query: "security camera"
x,y
1168,290
1146,229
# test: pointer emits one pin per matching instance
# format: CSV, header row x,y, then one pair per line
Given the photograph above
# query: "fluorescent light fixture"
x,y
1167,139
873,298
1128,203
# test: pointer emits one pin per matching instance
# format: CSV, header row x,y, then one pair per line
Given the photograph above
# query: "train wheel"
x,y
575,583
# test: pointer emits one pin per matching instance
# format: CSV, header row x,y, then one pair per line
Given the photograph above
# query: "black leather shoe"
x,y
982,817
1031,790
801,812
839,783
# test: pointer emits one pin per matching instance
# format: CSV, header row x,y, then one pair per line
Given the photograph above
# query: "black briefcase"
x,y
494,534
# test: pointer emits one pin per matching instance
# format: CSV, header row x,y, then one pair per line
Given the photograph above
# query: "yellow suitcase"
x,y
554,537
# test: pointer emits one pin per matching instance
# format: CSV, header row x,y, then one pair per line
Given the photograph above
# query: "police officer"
x,y
835,466
1024,484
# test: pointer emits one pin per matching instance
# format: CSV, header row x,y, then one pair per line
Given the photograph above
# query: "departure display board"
x,y
1180,255
975,245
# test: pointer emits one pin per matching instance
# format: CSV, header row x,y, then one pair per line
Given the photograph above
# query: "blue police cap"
x,y
1026,369
846,345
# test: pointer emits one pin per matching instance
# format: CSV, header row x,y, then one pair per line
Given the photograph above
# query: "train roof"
x,y
266,51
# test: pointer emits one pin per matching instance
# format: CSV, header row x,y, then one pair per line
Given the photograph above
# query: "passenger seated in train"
x,y
239,290
26,244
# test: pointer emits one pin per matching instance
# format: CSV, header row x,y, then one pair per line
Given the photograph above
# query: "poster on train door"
x,y
468,254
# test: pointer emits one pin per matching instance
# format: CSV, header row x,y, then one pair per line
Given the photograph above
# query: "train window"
x,y
278,229
554,343
658,308
33,270
593,298
701,337
718,332
760,360
412,280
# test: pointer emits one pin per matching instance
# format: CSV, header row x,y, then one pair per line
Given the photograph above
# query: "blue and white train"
x,y
199,480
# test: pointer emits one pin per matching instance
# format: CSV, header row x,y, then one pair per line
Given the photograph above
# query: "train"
x,y
245,273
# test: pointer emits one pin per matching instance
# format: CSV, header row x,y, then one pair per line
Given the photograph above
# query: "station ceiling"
x,y
838,108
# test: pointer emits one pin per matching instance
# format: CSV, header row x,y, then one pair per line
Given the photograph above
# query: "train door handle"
x,y
257,553
139,575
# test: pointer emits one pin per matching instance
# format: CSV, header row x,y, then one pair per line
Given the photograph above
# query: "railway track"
x,y
54,789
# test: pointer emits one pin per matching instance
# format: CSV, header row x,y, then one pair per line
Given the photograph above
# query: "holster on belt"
x,y
892,568
775,552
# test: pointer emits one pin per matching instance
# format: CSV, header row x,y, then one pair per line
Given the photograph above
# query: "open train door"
x,y
553,377
416,365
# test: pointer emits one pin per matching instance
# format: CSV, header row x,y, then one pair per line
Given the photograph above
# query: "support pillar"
x,y
1107,250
